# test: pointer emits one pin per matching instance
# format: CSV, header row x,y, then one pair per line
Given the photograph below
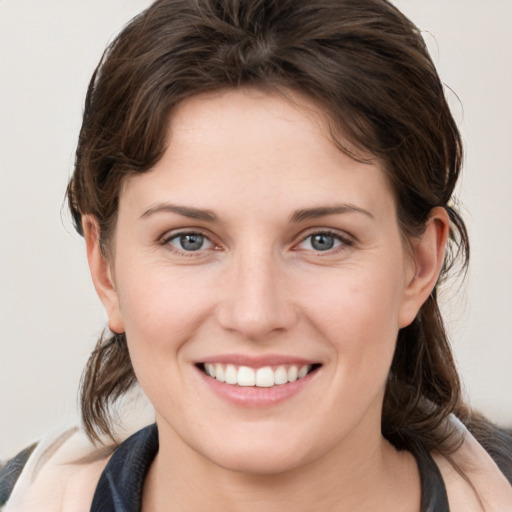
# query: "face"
x,y
261,279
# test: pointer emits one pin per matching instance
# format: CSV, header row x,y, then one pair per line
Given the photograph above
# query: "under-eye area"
x,y
264,377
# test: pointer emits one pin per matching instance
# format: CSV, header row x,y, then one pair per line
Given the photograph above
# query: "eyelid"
x,y
345,239
165,239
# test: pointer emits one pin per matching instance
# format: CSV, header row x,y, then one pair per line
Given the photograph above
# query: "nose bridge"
x,y
256,302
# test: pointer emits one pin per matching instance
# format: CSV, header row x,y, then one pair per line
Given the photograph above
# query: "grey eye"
x,y
190,242
322,241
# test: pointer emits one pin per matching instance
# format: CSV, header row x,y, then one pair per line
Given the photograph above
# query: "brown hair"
x,y
367,66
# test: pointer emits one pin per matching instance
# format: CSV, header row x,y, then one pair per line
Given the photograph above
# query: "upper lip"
x,y
258,361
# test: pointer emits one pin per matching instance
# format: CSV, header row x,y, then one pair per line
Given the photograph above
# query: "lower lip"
x,y
256,397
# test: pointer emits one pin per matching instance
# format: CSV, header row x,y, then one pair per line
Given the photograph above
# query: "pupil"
x,y
192,242
322,242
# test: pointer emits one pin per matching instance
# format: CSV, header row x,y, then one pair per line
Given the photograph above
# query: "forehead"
x,y
252,146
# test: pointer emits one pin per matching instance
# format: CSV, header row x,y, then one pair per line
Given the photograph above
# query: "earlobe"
x,y
428,256
101,273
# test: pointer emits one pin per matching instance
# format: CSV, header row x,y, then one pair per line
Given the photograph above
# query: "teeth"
x,y
293,373
210,370
219,374
246,376
231,375
265,377
280,376
303,372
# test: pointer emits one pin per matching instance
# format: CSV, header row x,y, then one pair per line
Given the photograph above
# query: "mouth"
x,y
263,377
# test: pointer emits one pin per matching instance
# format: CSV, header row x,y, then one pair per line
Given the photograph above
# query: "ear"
x,y
427,260
101,273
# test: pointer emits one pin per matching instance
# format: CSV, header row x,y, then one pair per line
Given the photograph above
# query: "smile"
x,y
264,377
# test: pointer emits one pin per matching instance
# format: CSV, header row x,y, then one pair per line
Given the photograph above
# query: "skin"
x,y
60,484
493,491
258,286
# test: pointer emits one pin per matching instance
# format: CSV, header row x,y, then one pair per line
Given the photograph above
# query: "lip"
x,y
257,361
256,397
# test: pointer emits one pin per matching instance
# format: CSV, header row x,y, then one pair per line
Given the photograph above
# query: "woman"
x,y
264,189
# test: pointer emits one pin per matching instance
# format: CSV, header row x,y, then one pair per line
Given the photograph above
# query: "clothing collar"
x,y
120,486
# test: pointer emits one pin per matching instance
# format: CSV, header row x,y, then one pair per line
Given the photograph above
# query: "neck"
x,y
354,477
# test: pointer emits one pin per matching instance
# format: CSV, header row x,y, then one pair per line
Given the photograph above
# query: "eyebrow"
x,y
298,216
322,211
185,211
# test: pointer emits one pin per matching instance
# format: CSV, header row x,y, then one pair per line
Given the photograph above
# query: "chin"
x,y
258,462
259,455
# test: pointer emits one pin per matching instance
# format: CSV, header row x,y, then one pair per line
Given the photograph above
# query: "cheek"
x,y
355,303
162,312
358,317
162,309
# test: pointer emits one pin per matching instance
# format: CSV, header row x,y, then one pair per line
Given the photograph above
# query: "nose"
x,y
257,302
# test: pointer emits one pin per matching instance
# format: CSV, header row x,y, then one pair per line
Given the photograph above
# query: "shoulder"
x,y
61,474
480,485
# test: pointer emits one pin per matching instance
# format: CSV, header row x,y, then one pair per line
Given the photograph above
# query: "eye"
x,y
189,242
323,241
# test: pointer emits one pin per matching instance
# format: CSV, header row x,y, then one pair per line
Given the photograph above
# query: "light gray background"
x,y
49,314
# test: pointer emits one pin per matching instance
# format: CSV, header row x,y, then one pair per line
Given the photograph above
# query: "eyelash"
x,y
343,242
167,239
